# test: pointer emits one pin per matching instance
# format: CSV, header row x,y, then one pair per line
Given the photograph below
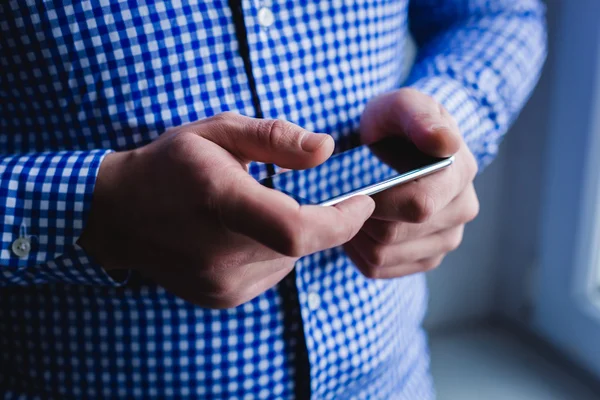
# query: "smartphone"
x,y
366,169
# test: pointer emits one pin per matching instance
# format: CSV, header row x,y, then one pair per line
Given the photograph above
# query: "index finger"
x,y
419,200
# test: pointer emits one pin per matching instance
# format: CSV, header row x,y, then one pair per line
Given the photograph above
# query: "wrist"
x,y
99,233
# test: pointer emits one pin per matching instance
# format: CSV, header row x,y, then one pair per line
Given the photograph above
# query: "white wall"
x,y
463,287
519,231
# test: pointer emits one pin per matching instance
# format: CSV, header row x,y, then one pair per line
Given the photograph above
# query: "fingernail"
x,y
313,141
437,127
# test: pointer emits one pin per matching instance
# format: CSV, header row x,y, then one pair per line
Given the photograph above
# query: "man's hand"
x,y
184,211
415,225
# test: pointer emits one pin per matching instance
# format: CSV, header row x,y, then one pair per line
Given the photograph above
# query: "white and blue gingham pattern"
x,y
81,78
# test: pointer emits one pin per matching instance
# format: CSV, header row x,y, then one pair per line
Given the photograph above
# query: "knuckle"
x,y
387,232
370,272
375,255
407,91
414,95
430,264
223,118
291,241
274,131
472,166
220,288
226,116
223,125
176,150
448,117
209,202
421,207
454,240
405,231
473,209
399,97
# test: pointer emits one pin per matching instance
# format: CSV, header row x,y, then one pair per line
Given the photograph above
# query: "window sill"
x,y
497,363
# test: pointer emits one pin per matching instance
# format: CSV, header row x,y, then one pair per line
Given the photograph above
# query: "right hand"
x,y
183,210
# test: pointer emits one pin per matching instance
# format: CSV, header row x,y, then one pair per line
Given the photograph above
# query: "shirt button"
x,y
314,301
265,17
21,247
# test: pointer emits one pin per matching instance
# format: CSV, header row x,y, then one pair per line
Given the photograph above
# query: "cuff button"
x,y
21,247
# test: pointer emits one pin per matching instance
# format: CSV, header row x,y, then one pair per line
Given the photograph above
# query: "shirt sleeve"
x,y
480,59
44,202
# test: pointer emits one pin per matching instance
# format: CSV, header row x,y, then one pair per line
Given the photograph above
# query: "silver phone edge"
x,y
381,186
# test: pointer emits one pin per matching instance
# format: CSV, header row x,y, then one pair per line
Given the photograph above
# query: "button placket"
x,y
263,38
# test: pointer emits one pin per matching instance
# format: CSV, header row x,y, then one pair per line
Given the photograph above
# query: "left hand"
x,y
415,225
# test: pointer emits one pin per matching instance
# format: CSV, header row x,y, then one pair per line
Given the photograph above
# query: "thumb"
x,y
270,141
278,222
415,115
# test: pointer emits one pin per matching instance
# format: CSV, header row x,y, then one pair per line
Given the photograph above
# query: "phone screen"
x,y
362,170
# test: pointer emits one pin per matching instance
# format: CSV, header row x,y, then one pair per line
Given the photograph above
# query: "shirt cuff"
x,y
45,200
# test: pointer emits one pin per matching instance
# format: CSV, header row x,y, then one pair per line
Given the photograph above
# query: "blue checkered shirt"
x,y
79,79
